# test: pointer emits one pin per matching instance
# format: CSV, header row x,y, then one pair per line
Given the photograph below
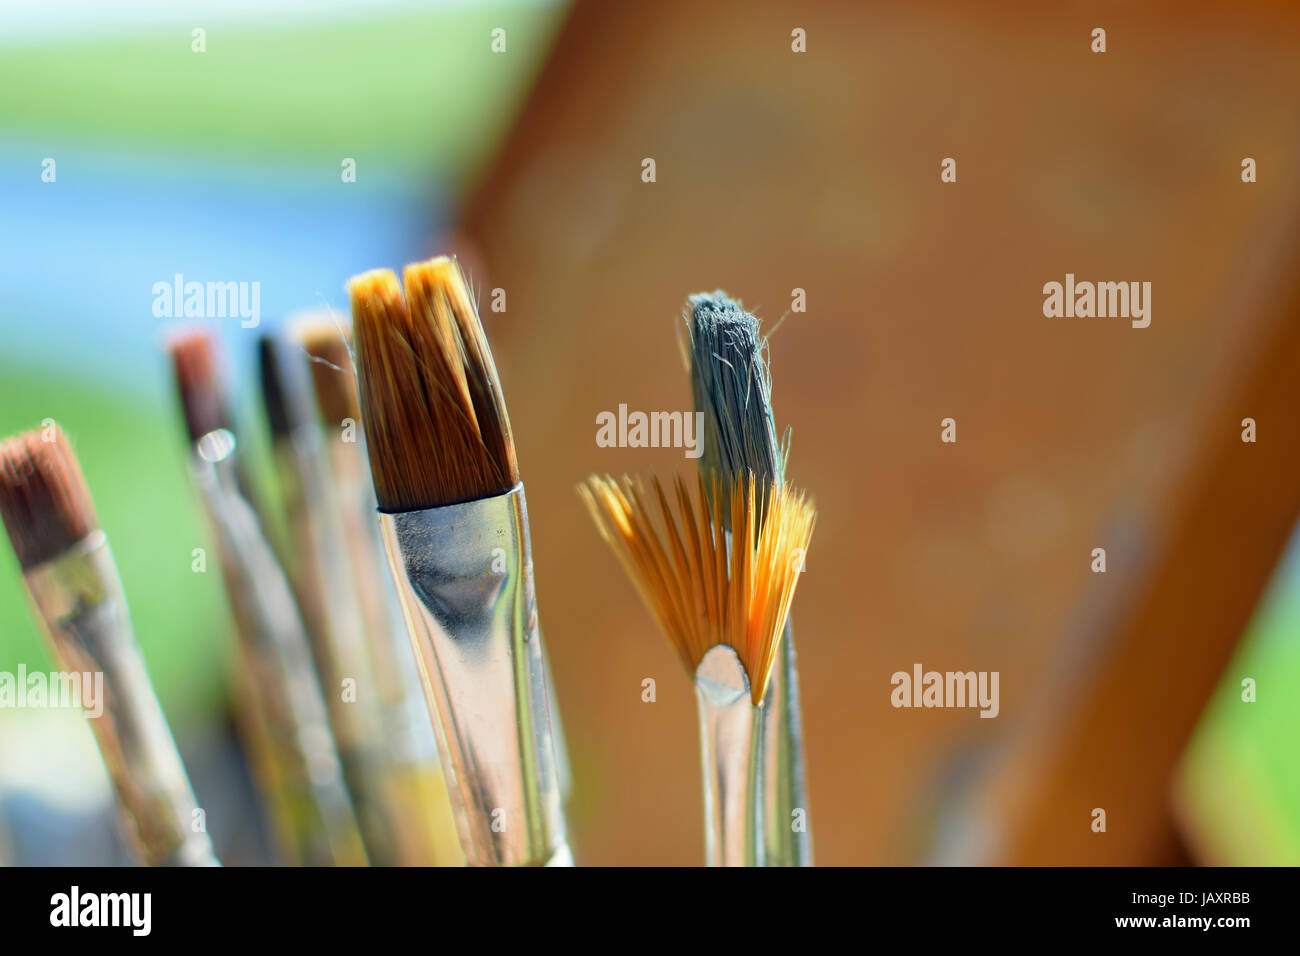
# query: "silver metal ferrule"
x,y
465,576
79,597
731,761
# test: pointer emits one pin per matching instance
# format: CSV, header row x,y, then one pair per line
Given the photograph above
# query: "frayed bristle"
x,y
198,382
701,590
431,403
44,499
731,385
332,371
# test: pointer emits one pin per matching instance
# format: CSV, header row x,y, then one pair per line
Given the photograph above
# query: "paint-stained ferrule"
x,y
79,598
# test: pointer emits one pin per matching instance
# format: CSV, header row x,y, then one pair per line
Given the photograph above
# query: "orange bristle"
x,y
701,591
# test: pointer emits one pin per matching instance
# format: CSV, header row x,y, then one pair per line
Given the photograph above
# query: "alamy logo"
x,y
949,689
75,689
653,430
74,908
179,299
1116,300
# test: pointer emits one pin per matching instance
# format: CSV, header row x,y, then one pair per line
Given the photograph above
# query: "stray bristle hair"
x,y
702,591
732,387
198,382
431,404
332,372
44,499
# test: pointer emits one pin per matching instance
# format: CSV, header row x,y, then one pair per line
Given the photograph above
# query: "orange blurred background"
x,y
820,171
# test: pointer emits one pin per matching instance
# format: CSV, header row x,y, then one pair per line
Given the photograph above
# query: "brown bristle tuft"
x,y
438,291
44,499
431,403
332,372
198,382
701,591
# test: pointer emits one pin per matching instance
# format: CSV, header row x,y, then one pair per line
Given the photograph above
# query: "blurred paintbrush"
x,y
321,574
74,585
300,770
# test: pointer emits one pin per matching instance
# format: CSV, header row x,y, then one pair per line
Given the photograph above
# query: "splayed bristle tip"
x,y
710,576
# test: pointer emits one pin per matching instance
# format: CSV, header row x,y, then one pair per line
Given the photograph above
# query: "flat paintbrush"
x,y
455,524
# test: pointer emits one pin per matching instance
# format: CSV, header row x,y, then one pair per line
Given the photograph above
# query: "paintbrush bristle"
x,y
198,382
332,372
44,499
271,365
731,385
287,391
701,591
431,404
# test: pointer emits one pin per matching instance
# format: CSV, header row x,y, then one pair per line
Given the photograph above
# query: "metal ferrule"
x,y
731,761
562,762
278,658
79,597
465,576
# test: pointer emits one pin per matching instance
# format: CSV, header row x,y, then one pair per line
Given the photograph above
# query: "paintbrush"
x,y
297,759
733,388
73,583
416,785
455,525
321,574
720,584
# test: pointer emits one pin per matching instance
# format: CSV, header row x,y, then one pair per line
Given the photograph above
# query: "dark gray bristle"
x,y
732,386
